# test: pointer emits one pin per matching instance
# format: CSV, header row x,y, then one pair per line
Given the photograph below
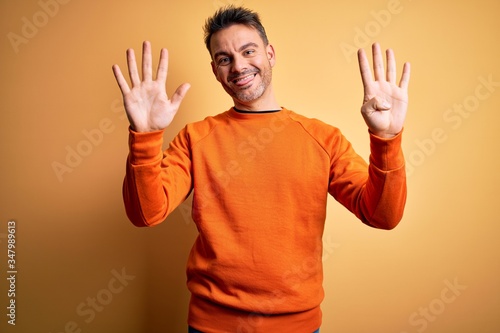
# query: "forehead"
x,y
233,37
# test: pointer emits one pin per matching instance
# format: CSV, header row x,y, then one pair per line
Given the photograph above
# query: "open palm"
x,y
385,103
147,105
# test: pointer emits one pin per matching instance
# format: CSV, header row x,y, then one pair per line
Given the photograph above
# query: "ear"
x,y
214,70
271,55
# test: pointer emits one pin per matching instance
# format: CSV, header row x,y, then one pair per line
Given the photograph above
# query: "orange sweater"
x,y
260,185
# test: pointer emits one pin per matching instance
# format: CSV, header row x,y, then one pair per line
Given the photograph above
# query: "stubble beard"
x,y
253,93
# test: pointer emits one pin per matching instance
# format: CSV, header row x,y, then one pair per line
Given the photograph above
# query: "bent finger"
x,y
375,104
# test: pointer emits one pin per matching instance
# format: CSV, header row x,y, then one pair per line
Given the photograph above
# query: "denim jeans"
x,y
192,330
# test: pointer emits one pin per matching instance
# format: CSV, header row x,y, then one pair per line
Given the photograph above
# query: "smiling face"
x,y
243,65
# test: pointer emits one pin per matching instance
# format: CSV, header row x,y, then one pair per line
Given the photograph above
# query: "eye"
x,y
249,52
223,61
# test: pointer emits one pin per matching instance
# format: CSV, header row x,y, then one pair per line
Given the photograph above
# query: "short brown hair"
x,y
230,15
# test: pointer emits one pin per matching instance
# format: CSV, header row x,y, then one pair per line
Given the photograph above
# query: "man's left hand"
x,y
385,102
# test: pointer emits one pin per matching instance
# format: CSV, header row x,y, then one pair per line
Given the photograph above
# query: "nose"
x,y
238,64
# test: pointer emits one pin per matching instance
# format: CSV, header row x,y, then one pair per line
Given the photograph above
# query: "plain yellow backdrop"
x,y
82,267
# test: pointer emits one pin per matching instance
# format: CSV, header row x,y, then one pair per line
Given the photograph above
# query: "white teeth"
x,y
243,78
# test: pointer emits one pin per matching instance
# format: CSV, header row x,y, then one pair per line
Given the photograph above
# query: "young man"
x,y
260,174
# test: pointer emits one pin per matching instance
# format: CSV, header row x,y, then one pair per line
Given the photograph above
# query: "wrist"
x,y
145,147
383,135
386,154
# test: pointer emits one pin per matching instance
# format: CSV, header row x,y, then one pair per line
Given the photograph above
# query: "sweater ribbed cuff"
x,y
145,148
386,154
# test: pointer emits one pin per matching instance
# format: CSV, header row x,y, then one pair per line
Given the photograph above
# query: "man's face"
x,y
242,63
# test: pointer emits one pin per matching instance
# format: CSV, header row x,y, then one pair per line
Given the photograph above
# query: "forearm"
x,y
143,193
383,198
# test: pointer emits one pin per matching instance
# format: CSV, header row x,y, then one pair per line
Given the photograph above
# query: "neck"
x,y
264,103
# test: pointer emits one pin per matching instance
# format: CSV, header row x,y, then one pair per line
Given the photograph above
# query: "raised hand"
x,y
385,102
147,105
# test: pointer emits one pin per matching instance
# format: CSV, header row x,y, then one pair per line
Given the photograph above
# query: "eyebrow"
x,y
224,53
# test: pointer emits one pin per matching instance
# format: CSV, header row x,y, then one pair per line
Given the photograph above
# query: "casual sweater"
x,y
260,184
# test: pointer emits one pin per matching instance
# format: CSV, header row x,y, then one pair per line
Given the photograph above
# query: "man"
x,y
260,174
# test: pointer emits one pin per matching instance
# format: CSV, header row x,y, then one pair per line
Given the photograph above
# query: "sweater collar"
x,y
238,114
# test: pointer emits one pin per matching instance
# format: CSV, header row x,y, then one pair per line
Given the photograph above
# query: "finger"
x,y
381,105
122,83
405,77
132,68
376,104
378,62
391,66
179,94
364,68
161,74
147,62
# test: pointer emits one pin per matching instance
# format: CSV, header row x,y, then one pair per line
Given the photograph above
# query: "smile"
x,y
244,80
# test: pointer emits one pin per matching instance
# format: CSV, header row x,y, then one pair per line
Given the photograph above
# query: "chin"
x,y
249,96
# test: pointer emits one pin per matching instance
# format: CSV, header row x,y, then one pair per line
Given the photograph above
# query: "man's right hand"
x,y
147,105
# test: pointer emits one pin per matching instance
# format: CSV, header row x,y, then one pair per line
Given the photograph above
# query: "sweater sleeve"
x,y
155,182
377,194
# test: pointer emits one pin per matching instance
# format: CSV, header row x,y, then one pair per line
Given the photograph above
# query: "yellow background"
x,y
73,236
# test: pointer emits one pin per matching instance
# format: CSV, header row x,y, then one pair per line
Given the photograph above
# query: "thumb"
x,y
376,104
180,93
